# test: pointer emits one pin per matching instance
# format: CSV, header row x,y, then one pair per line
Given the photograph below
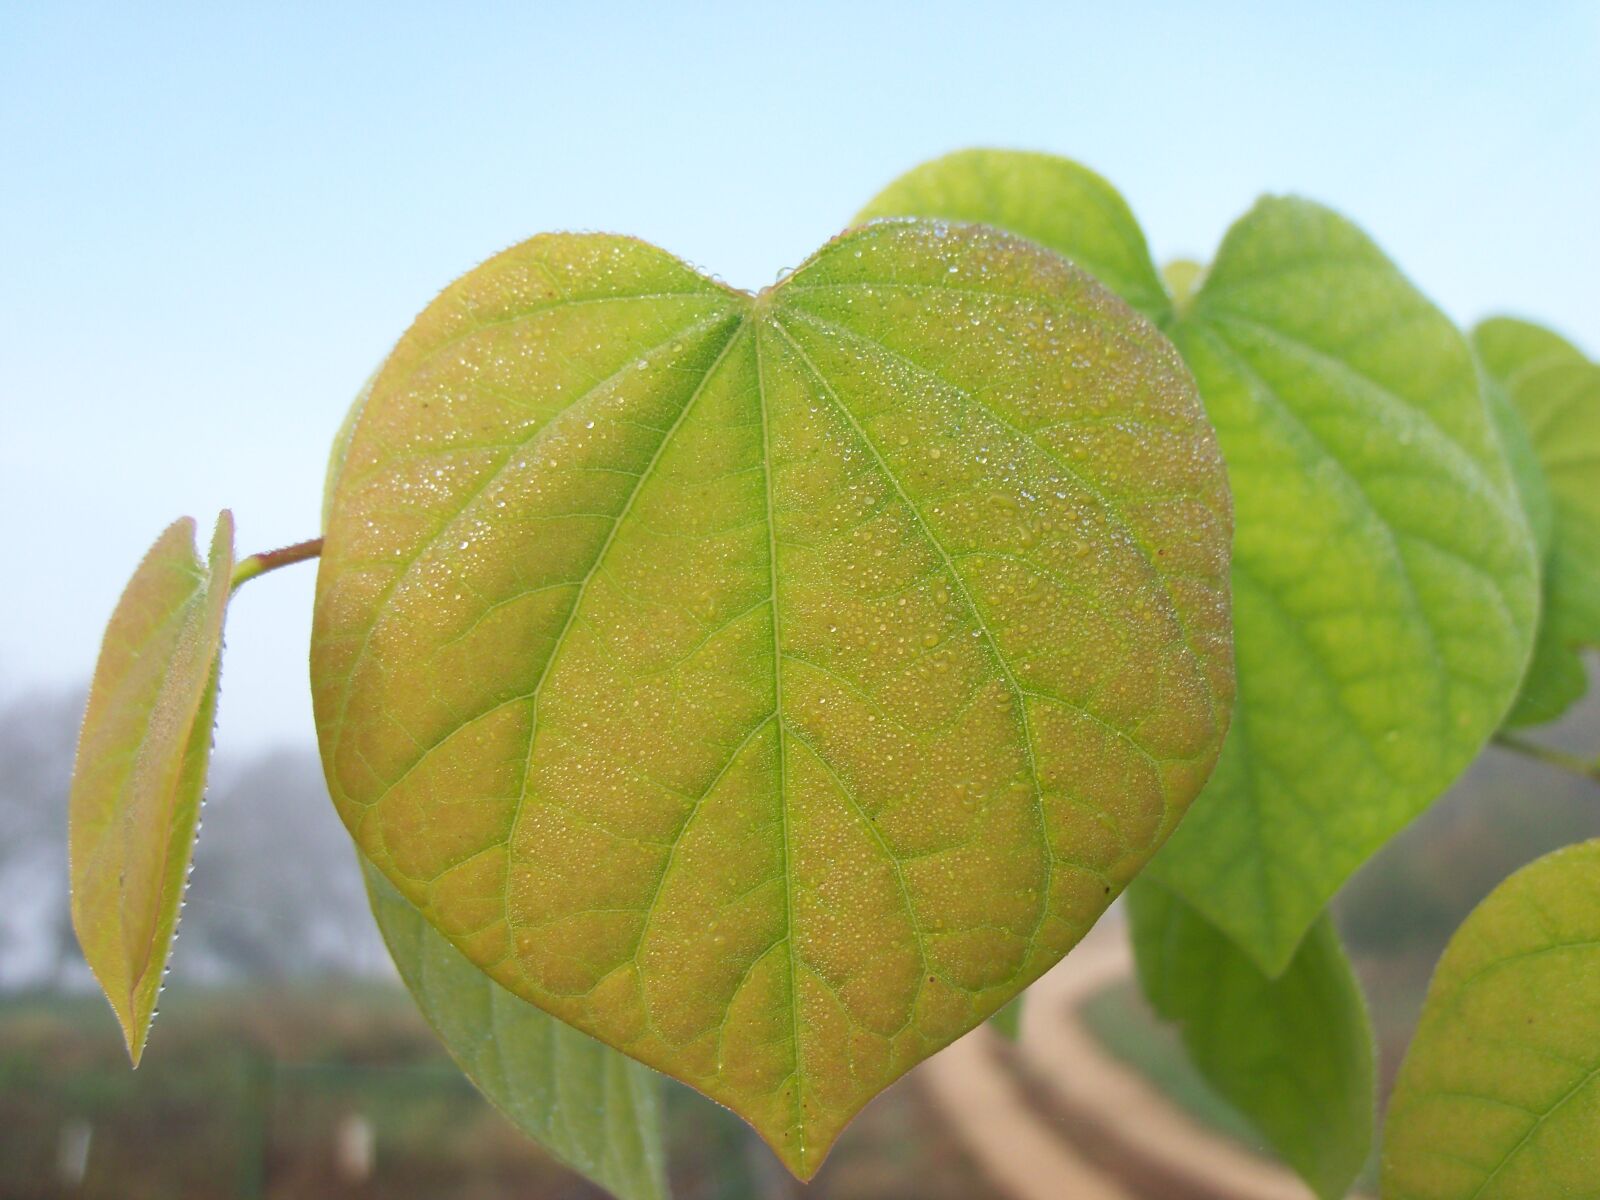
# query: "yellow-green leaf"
x,y
1293,1054
1555,389
341,446
1499,1095
141,765
772,686
1384,576
595,1110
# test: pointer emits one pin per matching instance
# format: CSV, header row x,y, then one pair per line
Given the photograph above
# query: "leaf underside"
x,y
1499,1094
1555,390
1384,577
595,1110
772,686
1294,1054
139,774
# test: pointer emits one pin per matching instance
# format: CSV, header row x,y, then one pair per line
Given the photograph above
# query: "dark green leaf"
x,y
1294,1054
592,1108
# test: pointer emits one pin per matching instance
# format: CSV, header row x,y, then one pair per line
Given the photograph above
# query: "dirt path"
x,y
1023,1155
1064,1120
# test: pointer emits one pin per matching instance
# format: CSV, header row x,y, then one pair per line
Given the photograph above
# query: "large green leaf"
x,y
1294,1054
772,686
588,1105
141,764
1556,391
1499,1095
1384,576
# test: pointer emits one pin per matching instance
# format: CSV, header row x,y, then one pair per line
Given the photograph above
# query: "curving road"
x,y
1064,1120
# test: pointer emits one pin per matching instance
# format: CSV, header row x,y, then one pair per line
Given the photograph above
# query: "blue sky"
x,y
214,221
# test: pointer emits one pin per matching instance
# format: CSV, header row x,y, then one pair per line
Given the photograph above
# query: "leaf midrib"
x,y
188,615
798,1124
960,584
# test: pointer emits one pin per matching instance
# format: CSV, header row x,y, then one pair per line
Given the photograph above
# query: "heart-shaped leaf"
x,y
1384,576
141,765
595,1110
1499,1095
1294,1054
772,686
1555,389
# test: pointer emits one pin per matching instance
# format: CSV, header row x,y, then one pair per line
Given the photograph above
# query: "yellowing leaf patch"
x,y
140,770
772,686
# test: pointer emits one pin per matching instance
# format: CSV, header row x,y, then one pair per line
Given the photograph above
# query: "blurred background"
x,y
214,221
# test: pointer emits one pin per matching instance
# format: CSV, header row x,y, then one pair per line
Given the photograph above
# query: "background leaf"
x,y
1384,577
1533,490
1294,1054
1499,1095
1050,200
773,686
1008,1020
1556,392
595,1110
141,764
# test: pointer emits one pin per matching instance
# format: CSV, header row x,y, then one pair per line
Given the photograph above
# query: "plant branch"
x,y
270,560
1588,768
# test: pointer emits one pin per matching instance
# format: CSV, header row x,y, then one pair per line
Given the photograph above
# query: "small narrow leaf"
x,y
141,765
593,1109
1293,1054
1384,576
773,686
1555,389
1499,1095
